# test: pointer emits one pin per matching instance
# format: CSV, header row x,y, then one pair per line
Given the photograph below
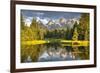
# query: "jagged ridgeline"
x,y
62,30
60,34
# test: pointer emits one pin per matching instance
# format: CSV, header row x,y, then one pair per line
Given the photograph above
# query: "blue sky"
x,y
45,16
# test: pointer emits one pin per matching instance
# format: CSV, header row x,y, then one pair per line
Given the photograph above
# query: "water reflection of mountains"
x,y
58,54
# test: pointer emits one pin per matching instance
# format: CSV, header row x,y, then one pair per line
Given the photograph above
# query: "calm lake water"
x,y
53,52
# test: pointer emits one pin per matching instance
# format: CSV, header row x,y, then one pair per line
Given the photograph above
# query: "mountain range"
x,y
61,23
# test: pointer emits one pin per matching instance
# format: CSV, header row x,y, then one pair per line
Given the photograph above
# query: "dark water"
x,y
53,52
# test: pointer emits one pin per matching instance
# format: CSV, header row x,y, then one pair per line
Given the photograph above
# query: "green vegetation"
x,y
38,32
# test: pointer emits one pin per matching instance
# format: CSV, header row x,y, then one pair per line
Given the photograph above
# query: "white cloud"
x,y
38,13
28,21
44,20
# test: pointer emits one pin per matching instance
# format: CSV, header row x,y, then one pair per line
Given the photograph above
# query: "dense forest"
x,y
37,31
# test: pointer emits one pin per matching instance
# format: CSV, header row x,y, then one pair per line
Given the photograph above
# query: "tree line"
x,y
37,32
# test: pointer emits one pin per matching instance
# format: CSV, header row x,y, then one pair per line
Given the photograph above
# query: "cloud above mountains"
x,y
46,16
28,20
43,20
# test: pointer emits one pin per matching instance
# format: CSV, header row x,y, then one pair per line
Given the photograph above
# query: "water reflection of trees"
x,y
37,32
31,51
65,53
34,53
